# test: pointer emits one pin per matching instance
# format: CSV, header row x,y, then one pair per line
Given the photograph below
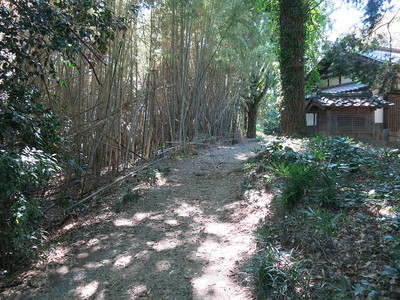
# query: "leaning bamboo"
x,y
115,182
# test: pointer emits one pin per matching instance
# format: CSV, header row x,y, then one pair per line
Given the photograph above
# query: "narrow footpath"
x,y
189,236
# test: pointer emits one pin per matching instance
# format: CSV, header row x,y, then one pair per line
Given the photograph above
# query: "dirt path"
x,y
186,238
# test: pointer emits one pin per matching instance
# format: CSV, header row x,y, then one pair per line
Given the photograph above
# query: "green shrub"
x,y
330,173
131,197
328,183
300,178
155,173
35,35
339,151
324,222
341,289
28,143
279,275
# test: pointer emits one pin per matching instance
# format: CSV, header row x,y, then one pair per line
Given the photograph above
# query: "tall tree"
x,y
374,11
250,38
258,90
298,24
292,38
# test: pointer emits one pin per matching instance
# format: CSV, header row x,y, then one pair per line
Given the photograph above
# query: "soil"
x,y
189,236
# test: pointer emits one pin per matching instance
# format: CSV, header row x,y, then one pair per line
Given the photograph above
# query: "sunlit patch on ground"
x,y
172,222
96,264
69,226
242,156
93,242
165,244
163,265
143,255
62,270
124,222
137,291
179,240
122,261
82,255
217,228
141,216
187,210
387,211
86,291
58,255
99,219
160,179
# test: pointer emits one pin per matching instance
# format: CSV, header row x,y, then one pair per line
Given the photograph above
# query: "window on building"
x,y
351,122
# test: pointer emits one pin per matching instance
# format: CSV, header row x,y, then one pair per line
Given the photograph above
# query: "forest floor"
x,y
189,235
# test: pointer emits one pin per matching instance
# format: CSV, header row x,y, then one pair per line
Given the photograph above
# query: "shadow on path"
x,y
184,239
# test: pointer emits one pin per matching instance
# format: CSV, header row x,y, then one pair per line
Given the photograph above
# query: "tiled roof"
x,y
384,55
355,101
347,95
347,87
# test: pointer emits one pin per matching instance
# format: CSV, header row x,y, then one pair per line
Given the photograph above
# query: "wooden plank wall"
x,y
393,116
322,124
363,130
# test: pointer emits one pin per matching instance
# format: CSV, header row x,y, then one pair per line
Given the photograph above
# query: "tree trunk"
x,y
292,48
252,113
254,102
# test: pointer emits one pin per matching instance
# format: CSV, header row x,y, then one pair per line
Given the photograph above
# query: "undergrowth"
x,y
129,199
334,229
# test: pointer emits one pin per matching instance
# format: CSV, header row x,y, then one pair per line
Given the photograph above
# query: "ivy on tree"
x,y
298,23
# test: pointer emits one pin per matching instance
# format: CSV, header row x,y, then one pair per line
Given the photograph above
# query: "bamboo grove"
x,y
94,87
174,72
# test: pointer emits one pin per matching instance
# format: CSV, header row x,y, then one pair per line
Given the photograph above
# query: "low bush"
x,y
299,179
279,275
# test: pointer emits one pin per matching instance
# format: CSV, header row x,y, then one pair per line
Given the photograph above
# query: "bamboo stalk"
x,y
115,182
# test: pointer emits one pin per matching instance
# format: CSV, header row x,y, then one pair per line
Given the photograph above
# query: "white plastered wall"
x,y
311,119
379,116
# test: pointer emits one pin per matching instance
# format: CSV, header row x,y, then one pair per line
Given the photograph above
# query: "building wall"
x,y
334,81
393,113
322,123
350,122
378,115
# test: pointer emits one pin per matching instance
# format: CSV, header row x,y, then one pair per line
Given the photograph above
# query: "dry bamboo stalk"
x,y
115,182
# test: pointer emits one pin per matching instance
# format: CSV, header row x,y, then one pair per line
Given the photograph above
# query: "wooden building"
x,y
391,114
344,110
342,107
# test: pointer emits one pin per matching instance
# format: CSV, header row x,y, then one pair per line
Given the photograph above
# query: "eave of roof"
x,y
384,55
346,95
346,87
369,102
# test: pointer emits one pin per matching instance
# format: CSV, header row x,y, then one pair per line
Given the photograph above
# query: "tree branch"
x,y
91,66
